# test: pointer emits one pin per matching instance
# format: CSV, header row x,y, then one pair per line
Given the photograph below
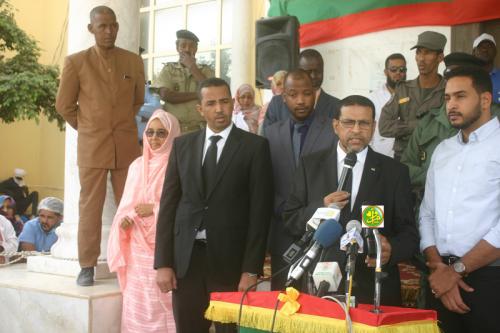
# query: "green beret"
x,y
186,34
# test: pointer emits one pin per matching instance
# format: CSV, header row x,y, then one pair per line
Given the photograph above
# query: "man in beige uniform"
x,y
101,91
414,98
178,81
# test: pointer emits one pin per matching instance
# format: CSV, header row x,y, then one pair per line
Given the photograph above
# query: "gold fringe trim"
x,y
261,318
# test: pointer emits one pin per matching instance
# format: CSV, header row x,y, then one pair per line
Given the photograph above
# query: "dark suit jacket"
x,y
385,182
327,105
319,136
236,213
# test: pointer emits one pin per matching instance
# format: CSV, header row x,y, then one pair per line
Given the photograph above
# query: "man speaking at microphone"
x,y
374,179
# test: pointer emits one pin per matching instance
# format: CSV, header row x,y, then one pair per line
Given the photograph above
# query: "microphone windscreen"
x,y
353,224
350,159
328,233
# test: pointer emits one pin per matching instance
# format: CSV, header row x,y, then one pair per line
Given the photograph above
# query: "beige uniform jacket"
x,y
178,78
399,116
99,97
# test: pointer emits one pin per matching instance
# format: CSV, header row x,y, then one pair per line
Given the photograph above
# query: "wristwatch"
x,y
459,267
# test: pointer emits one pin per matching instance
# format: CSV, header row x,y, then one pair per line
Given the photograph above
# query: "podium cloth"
x,y
315,315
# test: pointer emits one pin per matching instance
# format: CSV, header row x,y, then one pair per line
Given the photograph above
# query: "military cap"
x,y
462,59
186,34
431,40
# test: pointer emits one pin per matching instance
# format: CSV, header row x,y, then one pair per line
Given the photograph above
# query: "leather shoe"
x,y
86,277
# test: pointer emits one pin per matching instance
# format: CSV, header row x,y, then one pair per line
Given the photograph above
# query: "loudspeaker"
x,y
276,47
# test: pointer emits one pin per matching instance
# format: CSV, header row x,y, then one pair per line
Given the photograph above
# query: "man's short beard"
x,y
391,83
468,122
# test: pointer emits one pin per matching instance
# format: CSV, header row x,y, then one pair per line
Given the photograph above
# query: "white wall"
x,y
355,65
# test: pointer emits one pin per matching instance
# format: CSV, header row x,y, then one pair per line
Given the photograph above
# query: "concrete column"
x,y
79,38
243,51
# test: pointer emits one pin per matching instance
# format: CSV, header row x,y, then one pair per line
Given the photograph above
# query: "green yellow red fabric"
x,y
314,306
329,20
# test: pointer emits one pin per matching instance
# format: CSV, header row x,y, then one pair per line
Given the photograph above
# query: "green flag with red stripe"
x,y
327,20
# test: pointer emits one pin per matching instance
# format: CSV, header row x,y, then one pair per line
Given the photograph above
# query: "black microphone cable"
x,y
240,312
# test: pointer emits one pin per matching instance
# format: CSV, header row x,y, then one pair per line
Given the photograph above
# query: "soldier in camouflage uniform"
x,y
177,83
434,127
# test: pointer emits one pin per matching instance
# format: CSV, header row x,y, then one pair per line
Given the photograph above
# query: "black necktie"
x,y
209,168
346,211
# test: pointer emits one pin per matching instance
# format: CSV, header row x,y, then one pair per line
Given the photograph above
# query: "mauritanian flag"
x,y
327,20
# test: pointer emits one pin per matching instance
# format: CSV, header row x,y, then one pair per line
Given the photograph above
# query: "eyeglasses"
x,y
401,69
350,124
161,133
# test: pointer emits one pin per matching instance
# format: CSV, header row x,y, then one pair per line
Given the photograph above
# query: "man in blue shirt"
x,y
39,233
151,104
485,48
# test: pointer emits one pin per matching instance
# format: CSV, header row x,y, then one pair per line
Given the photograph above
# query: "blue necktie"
x,y
296,141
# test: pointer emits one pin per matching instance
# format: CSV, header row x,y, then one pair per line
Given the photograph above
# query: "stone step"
x,y
37,302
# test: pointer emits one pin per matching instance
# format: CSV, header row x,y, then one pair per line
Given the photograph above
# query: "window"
x,y
210,20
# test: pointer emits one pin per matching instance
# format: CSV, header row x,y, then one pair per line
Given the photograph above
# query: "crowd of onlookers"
x,y
21,230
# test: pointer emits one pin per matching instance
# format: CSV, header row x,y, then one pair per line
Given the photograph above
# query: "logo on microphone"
x,y
373,216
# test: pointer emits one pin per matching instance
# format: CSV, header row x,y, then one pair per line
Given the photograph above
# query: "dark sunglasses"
x,y
162,134
401,69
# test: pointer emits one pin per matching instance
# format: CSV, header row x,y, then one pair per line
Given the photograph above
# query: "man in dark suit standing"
x,y
376,179
306,131
214,212
311,61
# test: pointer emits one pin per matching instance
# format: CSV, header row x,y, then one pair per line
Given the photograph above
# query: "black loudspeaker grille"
x,y
275,55
277,47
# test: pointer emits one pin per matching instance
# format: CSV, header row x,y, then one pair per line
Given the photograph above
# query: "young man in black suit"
x,y
376,180
311,61
214,212
305,132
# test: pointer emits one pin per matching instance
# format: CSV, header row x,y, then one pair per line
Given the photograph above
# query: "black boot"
x,y
86,277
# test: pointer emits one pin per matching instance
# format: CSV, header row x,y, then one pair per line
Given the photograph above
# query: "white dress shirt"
x,y
461,205
8,240
380,144
357,171
220,144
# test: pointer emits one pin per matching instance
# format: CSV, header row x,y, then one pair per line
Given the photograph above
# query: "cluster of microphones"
x,y
323,233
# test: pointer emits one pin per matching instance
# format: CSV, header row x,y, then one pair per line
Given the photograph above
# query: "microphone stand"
x,y
378,272
350,266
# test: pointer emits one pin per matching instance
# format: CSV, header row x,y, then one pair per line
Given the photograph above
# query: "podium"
x,y
315,315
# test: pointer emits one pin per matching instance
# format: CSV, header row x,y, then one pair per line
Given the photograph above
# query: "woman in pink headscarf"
x,y
132,238
246,112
